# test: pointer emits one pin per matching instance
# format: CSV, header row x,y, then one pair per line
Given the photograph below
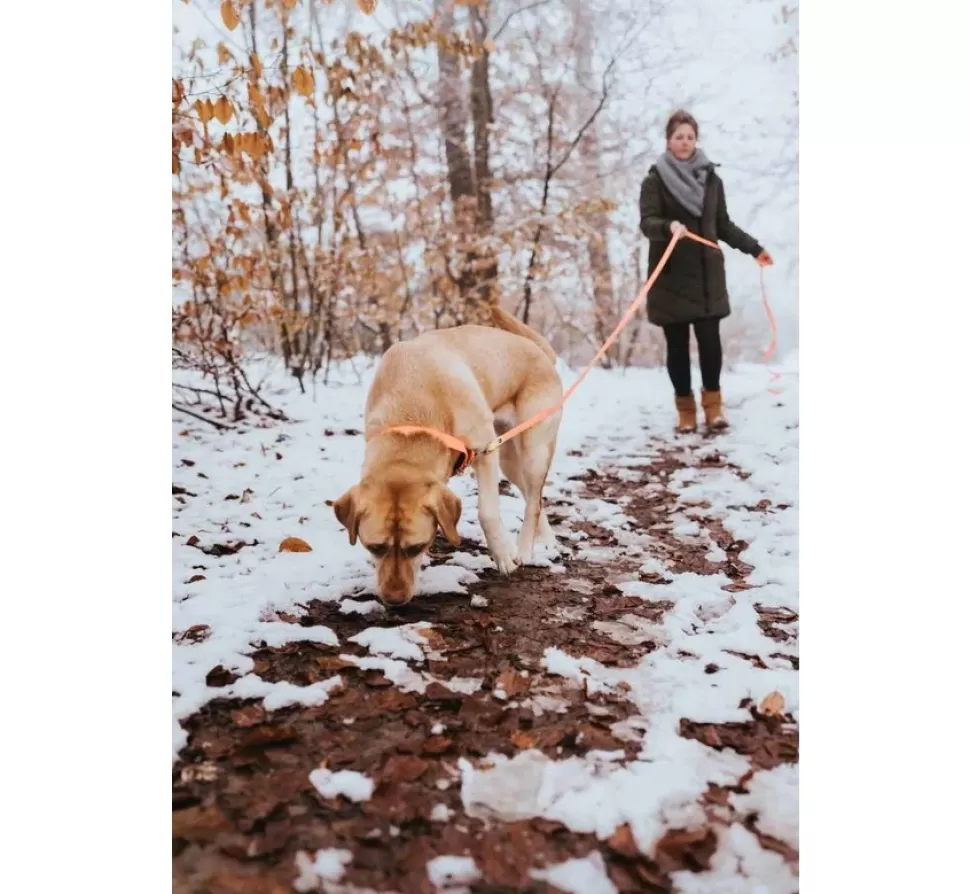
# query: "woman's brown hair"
x,y
681,117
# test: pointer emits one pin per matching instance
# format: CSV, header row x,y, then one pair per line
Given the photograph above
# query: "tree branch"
x,y
220,425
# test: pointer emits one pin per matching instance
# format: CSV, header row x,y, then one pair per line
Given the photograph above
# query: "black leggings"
x,y
708,349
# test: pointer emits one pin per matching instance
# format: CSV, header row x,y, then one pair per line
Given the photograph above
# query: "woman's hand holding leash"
x,y
764,259
676,227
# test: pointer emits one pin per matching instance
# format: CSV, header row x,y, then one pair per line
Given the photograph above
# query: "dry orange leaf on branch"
x,y
229,15
773,705
367,6
303,81
295,545
222,110
204,109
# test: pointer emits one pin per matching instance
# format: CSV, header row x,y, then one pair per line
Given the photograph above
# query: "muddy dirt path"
x,y
243,802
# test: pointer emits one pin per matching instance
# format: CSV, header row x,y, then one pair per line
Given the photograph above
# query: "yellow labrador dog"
x,y
473,383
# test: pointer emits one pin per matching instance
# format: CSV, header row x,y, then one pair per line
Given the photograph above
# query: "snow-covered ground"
x,y
259,486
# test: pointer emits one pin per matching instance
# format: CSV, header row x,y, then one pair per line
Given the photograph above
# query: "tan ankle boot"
x,y
686,413
713,410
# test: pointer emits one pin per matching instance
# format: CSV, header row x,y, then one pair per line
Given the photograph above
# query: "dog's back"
x,y
444,364
509,323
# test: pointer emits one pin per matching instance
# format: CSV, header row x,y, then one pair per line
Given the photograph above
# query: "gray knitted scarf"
x,y
686,179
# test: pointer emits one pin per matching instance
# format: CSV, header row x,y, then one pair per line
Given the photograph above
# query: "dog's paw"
x,y
506,560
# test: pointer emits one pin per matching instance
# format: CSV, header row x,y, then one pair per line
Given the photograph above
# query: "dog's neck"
x,y
388,456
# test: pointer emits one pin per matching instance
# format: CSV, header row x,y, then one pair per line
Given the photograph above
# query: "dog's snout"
x,y
395,582
395,595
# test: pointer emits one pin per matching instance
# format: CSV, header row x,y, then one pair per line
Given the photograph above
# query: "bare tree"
x,y
597,247
481,101
453,119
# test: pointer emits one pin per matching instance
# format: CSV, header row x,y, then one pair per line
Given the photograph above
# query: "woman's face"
x,y
682,142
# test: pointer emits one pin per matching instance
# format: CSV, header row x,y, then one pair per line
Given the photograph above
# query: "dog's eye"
x,y
377,549
412,552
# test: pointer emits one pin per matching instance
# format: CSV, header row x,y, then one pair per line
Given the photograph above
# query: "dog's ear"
x,y
347,514
446,509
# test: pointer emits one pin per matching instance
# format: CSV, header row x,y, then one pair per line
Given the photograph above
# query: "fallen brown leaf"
x,y
623,842
333,663
243,884
512,682
269,734
524,740
199,823
436,642
251,715
596,739
689,849
436,745
436,692
403,768
773,705
197,633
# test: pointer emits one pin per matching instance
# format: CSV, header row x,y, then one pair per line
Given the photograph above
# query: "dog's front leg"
x,y
499,540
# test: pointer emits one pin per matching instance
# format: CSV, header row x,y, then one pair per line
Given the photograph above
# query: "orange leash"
x,y
770,350
467,454
631,311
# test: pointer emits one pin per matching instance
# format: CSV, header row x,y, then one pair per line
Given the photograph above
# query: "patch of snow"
x,y
328,864
464,685
471,561
632,630
686,528
739,866
402,642
367,607
583,875
352,785
441,813
447,871
284,694
655,566
397,671
773,795
445,579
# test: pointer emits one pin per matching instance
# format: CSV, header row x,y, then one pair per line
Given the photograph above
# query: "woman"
x,y
681,190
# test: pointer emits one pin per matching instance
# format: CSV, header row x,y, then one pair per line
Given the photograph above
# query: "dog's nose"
x,y
395,596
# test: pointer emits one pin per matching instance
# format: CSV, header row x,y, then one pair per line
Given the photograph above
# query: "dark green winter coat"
x,y
692,286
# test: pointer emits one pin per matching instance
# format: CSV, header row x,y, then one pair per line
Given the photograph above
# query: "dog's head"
x,y
396,521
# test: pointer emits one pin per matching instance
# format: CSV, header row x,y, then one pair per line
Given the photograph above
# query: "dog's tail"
x,y
509,323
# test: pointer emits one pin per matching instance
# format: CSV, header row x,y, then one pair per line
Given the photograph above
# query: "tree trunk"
x,y
454,127
481,101
299,348
605,316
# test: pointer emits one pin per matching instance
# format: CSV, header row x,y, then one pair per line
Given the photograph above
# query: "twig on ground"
x,y
200,417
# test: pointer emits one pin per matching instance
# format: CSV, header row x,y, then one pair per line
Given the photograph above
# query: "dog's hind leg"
x,y
500,543
532,459
511,461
